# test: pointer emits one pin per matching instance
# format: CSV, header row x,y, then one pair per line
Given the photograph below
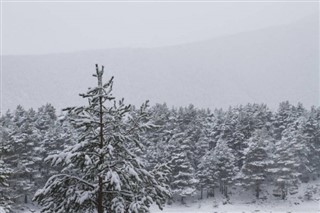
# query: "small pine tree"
x,y
101,172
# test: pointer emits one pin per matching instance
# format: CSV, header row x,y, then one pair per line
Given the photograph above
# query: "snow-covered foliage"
x,y
271,155
101,172
22,151
183,180
5,200
257,159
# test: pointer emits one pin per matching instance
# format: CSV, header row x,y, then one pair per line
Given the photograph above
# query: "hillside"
x,y
268,65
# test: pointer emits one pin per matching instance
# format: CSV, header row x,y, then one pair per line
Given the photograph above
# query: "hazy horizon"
x,y
211,55
263,66
44,28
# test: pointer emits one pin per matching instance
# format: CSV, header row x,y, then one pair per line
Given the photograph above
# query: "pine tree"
x,y
256,161
225,162
183,179
202,134
207,175
53,141
5,196
157,138
101,172
46,117
290,161
19,144
311,130
202,148
283,118
5,199
6,128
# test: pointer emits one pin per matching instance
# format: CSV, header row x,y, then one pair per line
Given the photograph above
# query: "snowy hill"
x,y
268,65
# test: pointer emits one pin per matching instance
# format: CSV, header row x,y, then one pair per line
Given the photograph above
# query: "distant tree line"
x,y
208,152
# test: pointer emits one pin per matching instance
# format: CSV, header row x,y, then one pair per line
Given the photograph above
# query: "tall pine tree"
x,y
101,172
253,173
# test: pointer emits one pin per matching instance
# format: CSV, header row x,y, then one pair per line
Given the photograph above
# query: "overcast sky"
x,y
36,28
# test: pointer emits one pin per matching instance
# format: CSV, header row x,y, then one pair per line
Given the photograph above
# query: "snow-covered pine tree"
x,y
225,162
283,118
311,130
20,155
156,143
101,173
182,149
256,160
204,174
290,161
5,199
46,117
207,175
54,140
183,179
202,135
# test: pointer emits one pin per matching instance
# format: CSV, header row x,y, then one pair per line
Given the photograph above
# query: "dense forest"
x,y
113,157
208,152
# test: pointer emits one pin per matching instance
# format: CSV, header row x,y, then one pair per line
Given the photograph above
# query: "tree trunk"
x,y
25,198
283,193
257,191
226,191
182,200
283,196
100,197
100,208
221,188
201,193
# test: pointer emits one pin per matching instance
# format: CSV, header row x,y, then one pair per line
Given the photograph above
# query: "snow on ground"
x,y
211,206
243,202
208,206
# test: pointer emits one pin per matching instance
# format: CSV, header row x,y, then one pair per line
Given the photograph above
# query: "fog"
x,y
210,54
49,27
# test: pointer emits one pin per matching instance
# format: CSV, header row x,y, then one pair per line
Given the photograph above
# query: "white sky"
x,y
39,27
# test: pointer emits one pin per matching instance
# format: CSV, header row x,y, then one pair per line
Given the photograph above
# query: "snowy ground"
x,y
244,202
208,206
